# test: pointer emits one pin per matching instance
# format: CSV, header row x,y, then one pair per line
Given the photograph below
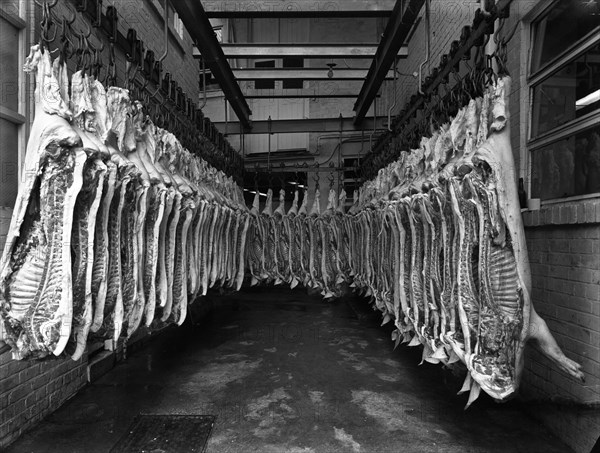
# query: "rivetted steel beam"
x,y
303,73
229,9
302,125
326,51
403,16
197,24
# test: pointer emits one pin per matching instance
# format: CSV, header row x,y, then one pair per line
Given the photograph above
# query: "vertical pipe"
x,y
394,104
226,115
490,47
340,157
427,44
269,152
204,83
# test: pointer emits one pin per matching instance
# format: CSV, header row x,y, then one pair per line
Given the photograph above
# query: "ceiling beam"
x,y
303,95
228,9
303,73
302,126
269,50
197,24
399,25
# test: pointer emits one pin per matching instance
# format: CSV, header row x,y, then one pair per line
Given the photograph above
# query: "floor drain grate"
x,y
166,434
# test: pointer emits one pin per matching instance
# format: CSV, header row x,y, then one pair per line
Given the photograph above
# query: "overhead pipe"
x,y
336,135
166,32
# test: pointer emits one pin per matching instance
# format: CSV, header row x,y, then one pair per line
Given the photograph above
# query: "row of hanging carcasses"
x,y
115,226
436,240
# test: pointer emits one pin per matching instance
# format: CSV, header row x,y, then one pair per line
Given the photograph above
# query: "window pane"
x,y
9,165
571,92
264,84
293,62
9,68
218,33
568,167
566,23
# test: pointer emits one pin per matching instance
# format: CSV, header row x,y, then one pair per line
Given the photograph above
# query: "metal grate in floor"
x,y
166,434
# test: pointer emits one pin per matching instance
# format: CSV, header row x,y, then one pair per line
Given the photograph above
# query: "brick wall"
x,y
30,390
564,247
447,17
565,267
563,241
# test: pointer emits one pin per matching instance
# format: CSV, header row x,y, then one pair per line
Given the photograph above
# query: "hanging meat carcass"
x,y
86,206
293,258
35,271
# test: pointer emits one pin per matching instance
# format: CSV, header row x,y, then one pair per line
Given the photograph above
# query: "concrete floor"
x,y
287,372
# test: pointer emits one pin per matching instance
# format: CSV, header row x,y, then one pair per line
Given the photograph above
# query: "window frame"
x,y
534,78
19,117
23,116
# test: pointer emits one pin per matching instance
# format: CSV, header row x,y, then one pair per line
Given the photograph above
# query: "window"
x,y
569,93
551,35
571,164
11,119
177,24
564,137
293,62
218,33
12,109
352,180
264,84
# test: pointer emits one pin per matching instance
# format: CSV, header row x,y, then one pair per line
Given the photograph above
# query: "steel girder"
x,y
399,25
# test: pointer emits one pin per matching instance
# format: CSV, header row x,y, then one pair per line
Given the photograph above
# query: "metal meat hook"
x,y
89,31
317,177
331,178
46,4
46,24
67,46
97,64
166,42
